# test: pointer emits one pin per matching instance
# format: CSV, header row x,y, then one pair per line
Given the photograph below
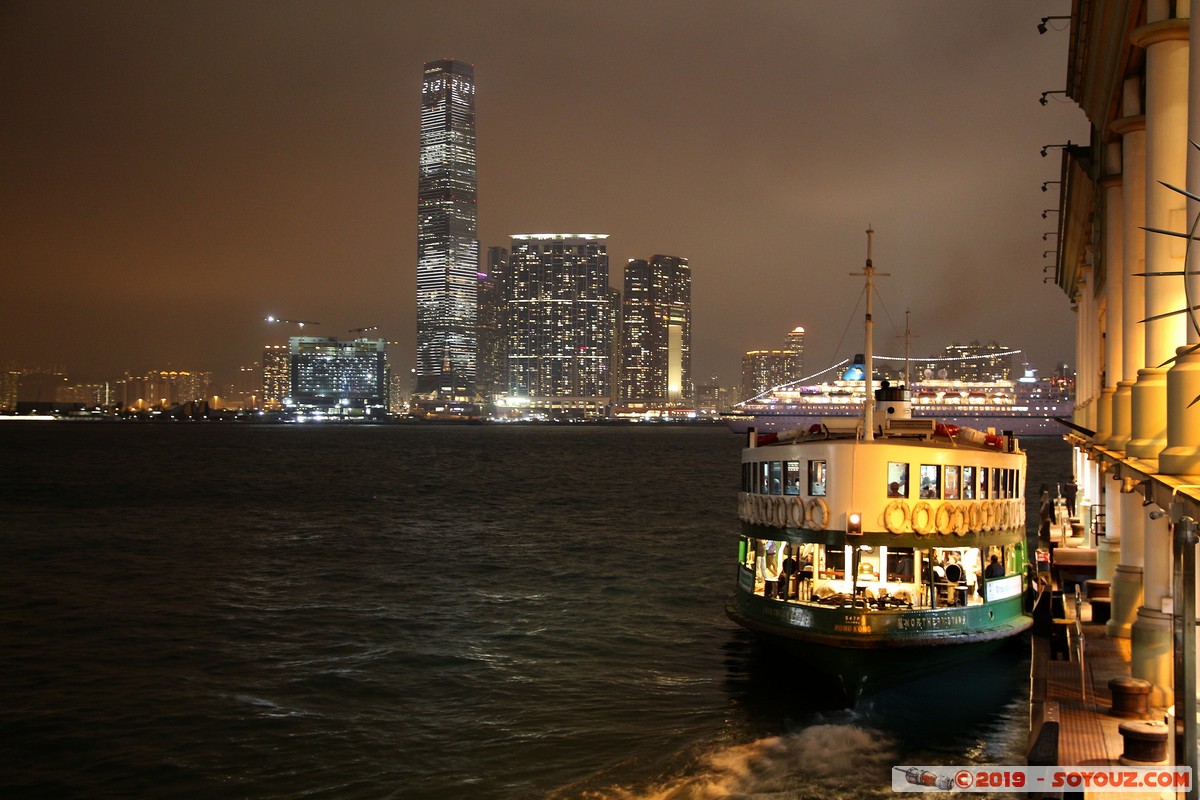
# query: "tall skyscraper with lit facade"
x,y
560,317
447,243
656,339
795,342
490,369
276,375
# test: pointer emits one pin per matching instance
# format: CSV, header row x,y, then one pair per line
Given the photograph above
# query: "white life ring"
x,y
991,508
922,518
976,515
818,513
895,516
942,518
781,512
959,524
796,513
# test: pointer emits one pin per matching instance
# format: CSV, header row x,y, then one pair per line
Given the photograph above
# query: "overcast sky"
x,y
172,172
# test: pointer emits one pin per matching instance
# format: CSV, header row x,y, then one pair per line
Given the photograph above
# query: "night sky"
x,y
173,172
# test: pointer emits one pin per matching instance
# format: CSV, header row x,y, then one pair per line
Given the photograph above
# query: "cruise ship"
x,y
1024,407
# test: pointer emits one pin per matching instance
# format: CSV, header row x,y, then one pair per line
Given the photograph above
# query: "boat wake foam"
x,y
824,760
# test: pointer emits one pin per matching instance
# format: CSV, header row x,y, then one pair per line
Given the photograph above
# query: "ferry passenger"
x,y
894,489
1069,491
994,568
1045,514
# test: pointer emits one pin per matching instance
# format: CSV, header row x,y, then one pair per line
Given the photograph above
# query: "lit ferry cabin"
x,y
910,545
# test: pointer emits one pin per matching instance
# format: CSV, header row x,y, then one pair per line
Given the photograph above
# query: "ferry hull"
x,y
884,650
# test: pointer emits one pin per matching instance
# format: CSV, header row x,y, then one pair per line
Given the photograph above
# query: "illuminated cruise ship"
x,y
1025,407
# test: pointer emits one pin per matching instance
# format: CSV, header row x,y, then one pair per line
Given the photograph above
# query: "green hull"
x,y
865,651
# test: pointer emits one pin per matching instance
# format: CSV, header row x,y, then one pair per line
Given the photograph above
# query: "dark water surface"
x,y
229,611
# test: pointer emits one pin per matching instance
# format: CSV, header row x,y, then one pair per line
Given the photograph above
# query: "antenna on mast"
x,y
868,350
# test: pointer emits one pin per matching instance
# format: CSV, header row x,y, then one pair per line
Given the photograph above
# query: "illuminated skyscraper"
x,y
656,336
276,375
489,372
559,318
447,244
795,343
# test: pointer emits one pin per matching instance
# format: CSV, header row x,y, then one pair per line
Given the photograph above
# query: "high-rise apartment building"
x,y
560,319
276,375
336,377
971,362
656,330
447,243
766,369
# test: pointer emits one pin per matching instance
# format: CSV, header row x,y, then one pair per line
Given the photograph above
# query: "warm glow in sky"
x,y
173,172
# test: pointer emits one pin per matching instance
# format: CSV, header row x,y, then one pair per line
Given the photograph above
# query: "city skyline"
x,y
177,174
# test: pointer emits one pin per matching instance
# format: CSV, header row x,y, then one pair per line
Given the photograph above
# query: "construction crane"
x,y
363,330
300,322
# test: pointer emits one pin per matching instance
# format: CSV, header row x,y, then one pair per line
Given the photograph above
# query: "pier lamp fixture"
x,y
1048,267
1049,233
1050,183
1047,279
1043,101
1049,211
1048,252
1046,147
1042,25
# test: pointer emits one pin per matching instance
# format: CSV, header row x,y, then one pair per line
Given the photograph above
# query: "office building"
x,y
447,243
560,319
656,331
490,366
338,378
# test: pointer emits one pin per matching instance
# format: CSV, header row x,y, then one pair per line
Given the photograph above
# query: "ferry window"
x,y
776,477
897,476
931,481
747,478
746,550
1014,483
900,564
791,482
968,483
983,483
816,478
995,483
951,483
764,477
835,562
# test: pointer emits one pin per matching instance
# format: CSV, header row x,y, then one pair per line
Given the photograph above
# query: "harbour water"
x,y
477,612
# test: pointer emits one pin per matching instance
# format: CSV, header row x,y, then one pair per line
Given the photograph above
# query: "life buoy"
x,y
990,510
781,512
959,524
975,512
756,510
796,513
895,516
922,518
818,513
941,518
743,506
1002,515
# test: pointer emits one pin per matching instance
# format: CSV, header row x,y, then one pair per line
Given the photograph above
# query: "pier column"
x,y
1151,640
1108,549
1166,45
1182,454
1126,590
1132,128
1114,238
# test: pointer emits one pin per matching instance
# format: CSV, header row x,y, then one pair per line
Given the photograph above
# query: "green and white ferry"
x,y
883,548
